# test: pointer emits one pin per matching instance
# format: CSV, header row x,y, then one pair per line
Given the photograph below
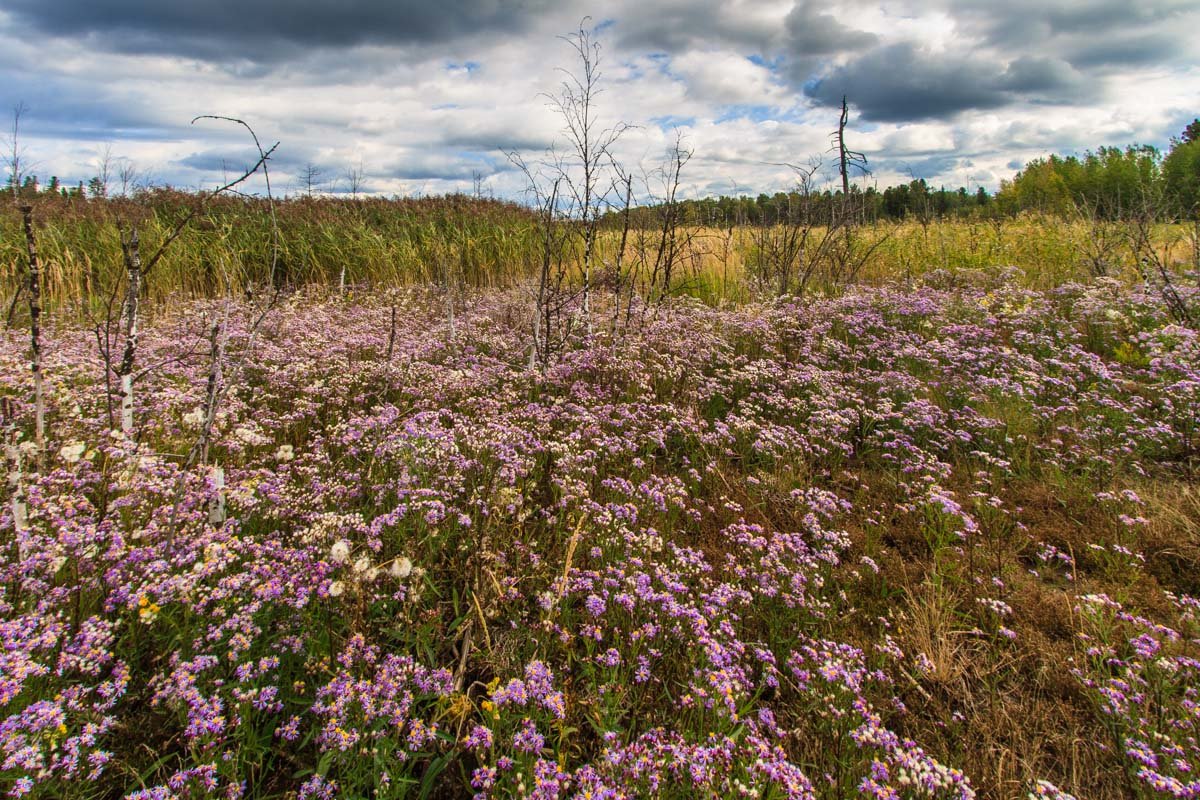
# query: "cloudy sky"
x,y
427,95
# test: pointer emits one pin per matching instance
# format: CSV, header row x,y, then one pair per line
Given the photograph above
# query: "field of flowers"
x,y
939,542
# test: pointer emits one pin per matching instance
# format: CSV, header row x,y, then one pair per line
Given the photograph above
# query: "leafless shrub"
x,y
788,248
1104,242
552,294
111,334
1151,259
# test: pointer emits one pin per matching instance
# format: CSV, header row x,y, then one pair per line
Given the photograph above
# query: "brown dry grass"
x,y
1011,712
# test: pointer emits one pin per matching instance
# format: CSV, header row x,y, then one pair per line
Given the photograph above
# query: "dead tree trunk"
x,y
847,159
130,248
212,394
16,475
619,262
35,330
843,161
590,146
392,333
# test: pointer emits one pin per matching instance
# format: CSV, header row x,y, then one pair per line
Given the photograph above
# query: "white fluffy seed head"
x,y
340,552
401,568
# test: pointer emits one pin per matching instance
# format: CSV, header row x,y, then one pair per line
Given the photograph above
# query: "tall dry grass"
x,y
484,243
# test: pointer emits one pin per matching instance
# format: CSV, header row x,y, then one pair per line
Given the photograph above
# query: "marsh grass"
x,y
377,242
486,243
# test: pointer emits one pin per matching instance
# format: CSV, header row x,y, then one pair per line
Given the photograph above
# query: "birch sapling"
x,y
16,482
35,330
216,504
590,148
392,333
131,251
212,395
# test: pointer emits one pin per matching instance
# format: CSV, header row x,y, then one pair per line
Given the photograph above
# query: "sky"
x,y
424,97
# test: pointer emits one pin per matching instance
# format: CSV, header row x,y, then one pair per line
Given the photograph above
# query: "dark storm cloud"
x,y
813,35
447,166
1021,23
267,30
1021,52
902,82
812,31
239,159
1040,78
1087,33
675,26
1127,50
494,138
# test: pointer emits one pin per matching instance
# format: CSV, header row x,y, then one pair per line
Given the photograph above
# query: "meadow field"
x,y
932,532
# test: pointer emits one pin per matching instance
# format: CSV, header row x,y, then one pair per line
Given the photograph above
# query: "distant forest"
x,y
1109,183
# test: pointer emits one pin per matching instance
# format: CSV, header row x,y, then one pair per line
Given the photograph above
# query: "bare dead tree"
x,y
734,223
35,330
846,255
391,347
219,375
15,161
131,251
356,178
128,176
213,388
104,169
273,296
310,178
589,146
788,247
263,157
849,249
814,239
672,245
648,265
218,338
847,159
551,292
15,152
109,335
623,280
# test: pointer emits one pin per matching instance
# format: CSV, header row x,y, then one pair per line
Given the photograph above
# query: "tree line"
x,y
1108,183
916,200
1112,182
